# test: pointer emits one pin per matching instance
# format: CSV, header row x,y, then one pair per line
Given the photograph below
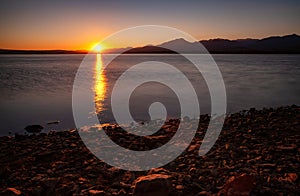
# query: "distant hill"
x,y
275,44
149,49
289,44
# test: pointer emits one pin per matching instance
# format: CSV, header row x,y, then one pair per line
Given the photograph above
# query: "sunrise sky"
x,y
75,25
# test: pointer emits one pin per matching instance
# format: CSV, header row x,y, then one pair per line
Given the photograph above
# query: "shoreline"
x,y
257,153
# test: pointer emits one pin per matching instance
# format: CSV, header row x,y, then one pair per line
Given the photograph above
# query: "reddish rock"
x,y
239,186
50,183
179,187
158,171
97,193
154,184
292,177
204,193
12,191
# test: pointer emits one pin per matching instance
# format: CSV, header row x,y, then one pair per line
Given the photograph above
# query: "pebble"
x,y
13,191
154,184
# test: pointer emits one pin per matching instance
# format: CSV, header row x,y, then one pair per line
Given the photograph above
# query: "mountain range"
x,y
276,44
288,44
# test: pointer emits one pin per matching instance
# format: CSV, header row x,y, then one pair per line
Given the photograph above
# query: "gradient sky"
x,y
79,24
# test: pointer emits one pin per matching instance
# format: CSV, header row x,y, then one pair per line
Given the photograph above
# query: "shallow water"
x,y
36,89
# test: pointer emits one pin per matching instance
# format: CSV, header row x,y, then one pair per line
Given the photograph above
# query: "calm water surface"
x,y
36,89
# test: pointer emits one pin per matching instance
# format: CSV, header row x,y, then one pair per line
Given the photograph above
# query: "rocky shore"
x,y
257,153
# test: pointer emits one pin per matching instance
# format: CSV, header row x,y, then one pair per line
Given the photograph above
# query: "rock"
x,y
53,122
4,171
192,148
122,192
154,184
36,190
179,187
239,186
12,191
204,193
97,192
45,156
158,171
193,170
226,146
34,128
292,177
49,184
287,148
267,165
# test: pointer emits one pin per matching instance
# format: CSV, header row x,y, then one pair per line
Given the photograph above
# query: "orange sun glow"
x,y
98,48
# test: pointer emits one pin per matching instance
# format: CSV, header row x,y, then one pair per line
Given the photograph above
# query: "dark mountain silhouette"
x,y
183,46
275,44
149,49
289,44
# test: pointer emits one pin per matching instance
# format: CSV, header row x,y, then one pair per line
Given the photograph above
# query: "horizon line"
x,y
88,50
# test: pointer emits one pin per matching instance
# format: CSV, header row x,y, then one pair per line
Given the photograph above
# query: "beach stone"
x,y
53,122
97,192
12,191
49,184
34,128
267,165
203,193
154,184
37,190
122,192
292,177
179,187
45,156
158,171
239,186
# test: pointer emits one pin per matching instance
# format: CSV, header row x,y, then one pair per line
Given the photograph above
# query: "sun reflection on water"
x,y
100,84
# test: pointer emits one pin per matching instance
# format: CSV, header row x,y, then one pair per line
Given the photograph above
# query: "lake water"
x,y
36,89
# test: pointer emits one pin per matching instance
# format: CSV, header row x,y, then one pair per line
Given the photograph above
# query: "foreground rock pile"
x,y
257,153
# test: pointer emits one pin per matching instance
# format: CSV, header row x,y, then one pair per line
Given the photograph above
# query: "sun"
x,y
97,48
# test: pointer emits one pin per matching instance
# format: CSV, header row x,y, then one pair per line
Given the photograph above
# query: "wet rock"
x,y
154,184
12,191
289,177
122,192
287,148
292,177
4,171
49,185
267,165
53,122
97,192
238,186
34,128
158,171
35,191
179,187
203,193
45,156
